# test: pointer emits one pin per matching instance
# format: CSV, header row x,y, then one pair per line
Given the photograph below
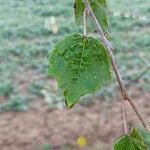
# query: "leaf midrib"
x,y
82,55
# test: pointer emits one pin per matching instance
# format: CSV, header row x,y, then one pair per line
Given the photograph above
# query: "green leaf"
x,y
99,8
133,141
80,64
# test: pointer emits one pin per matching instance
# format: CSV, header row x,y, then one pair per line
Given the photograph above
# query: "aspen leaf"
x,y
99,8
80,65
133,141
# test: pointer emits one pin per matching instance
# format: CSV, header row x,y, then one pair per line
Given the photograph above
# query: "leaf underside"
x,y
80,64
133,141
100,10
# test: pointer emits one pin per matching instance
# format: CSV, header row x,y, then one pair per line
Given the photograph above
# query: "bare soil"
x,y
100,124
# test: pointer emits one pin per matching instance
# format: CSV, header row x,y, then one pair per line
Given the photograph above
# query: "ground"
x,y
32,112
100,124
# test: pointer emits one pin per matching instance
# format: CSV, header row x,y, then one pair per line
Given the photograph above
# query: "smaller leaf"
x,y
133,141
100,10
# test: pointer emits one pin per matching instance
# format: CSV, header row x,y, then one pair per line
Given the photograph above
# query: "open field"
x,y
28,31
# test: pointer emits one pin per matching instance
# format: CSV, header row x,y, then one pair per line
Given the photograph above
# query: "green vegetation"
x,y
100,9
30,28
146,137
6,88
85,65
45,147
130,142
16,103
26,37
79,69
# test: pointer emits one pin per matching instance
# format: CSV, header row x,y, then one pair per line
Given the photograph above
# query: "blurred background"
x,y
32,110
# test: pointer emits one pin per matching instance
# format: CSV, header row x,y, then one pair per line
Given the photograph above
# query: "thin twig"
x,y
110,50
84,23
124,114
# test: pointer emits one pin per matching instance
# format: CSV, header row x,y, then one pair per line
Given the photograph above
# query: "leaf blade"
x,y
81,65
99,8
133,141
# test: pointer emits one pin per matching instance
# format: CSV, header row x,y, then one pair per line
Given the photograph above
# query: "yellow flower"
x,y
81,141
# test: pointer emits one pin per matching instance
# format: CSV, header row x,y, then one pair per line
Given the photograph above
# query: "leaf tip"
x,y
69,105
